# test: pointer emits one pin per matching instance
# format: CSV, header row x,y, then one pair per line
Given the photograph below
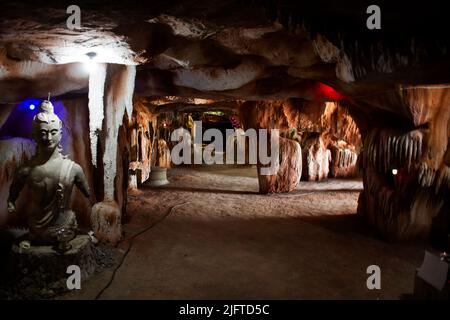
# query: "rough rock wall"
x,y
13,152
22,78
122,174
406,176
77,146
142,128
5,111
339,126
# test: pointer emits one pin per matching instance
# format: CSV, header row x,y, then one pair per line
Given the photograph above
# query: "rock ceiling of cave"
x,y
223,51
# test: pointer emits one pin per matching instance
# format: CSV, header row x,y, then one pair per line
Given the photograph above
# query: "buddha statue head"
x,y
47,128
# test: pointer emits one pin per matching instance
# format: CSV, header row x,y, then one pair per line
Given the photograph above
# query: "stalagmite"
x,y
289,172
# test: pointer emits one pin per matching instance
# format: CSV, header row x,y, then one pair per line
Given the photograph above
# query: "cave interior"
x,y
362,120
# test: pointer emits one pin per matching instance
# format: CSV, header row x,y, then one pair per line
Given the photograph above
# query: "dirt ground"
x,y
223,240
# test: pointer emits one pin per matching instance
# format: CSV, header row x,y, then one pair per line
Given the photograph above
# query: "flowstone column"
x,y
285,156
288,173
118,99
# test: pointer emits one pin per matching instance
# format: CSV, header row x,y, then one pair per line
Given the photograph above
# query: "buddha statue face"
x,y
47,127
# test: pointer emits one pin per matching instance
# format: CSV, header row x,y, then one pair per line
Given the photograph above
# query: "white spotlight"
x,y
88,61
394,172
89,66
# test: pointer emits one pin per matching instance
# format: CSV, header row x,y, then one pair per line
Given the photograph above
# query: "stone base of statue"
x,y
46,268
158,177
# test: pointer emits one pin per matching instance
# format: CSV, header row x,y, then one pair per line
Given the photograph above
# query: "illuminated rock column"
x,y
118,99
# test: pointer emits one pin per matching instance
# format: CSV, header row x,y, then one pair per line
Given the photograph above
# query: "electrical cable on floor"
x,y
130,244
286,195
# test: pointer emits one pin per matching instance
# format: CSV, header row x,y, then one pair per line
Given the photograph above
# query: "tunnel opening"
x,y
326,136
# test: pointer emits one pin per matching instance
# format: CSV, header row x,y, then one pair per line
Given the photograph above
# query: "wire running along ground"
x,y
130,245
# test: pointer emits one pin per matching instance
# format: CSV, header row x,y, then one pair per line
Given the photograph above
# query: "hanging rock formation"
x,y
343,161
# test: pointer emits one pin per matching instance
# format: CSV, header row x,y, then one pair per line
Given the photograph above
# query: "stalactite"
x,y
96,108
386,150
343,161
119,99
426,175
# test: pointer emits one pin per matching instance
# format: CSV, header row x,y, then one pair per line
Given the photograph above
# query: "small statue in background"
x,y
51,177
163,154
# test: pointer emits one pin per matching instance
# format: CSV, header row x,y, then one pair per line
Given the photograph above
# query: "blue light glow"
x,y
29,105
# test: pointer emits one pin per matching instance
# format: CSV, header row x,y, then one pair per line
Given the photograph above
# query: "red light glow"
x,y
325,92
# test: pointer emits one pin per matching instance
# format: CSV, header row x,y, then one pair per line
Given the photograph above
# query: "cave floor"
x,y
229,242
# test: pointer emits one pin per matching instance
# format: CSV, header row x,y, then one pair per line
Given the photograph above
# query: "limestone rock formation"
x,y
15,152
343,161
106,222
163,154
316,159
142,143
288,172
